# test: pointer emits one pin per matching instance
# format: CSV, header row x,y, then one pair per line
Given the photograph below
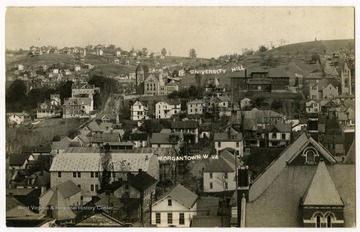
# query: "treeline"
x,y
18,98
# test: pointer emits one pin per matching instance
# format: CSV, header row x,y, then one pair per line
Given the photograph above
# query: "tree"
x,y
198,78
163,52
111,46
192,53
145,52
276,104
350,46
262,48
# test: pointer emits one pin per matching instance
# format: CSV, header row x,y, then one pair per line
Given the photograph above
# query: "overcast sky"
x,y
212,31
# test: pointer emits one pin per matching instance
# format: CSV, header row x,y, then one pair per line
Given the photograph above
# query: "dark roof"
x,y
208,206
137,136
163,138
181,195
226,136
142,181
225,163
67,188
184,125
18,159
38,149
42,178
282,127
210,221
106,137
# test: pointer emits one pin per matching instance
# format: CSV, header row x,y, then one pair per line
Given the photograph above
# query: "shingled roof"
x,y
142,181
322,189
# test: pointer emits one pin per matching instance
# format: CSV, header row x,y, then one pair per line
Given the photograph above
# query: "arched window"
x,y
310,157
318,221
329,221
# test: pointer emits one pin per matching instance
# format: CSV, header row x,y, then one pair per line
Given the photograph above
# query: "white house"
x,y
230,139
245,102
139,111
18,118
195,107
166,109
175,208
313,106
219,174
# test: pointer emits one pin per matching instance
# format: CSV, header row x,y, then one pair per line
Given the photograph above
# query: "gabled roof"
x,y
42,178
350,156
18,159
100,116
62,210
106,137
226,136
196,102
184,125
142,181
67,188
282,127
99,220
180,194
322,189
135,136
163,138
286,157
64,143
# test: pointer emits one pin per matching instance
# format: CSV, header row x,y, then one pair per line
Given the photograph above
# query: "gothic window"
x,y
328,221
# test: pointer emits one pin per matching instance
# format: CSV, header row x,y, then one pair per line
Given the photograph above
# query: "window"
x,y
79,185
96,187
169,218
237,144
273,135
79,174
169,202
310,157
226,185
74,174
92,174
211,185
211,175
96,174
59,174
225,175
181,219
328,221
219,144
158,218
283,136
92,188
318,221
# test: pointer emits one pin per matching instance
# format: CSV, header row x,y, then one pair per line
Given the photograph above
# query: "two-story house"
x,y
138,111
279,135
174,208
189,128
84,166
18,118
313,106
231,139
219,174
195,107
167,109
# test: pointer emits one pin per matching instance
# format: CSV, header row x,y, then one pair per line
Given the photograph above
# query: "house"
x,y
18,118
77,107
107,117
174,208
26,179
166,109
219,174
166,140
83,89
141,186
61,144
138,111
152,84
170,87
98,140
83,166
245,102
324,88
305,185
99,52
279,135
231,139
140,139
195,107
19,215
218,105
190,129
61,201
48,109
77,68
334,143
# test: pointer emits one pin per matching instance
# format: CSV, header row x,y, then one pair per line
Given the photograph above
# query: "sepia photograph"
x,y
179,116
